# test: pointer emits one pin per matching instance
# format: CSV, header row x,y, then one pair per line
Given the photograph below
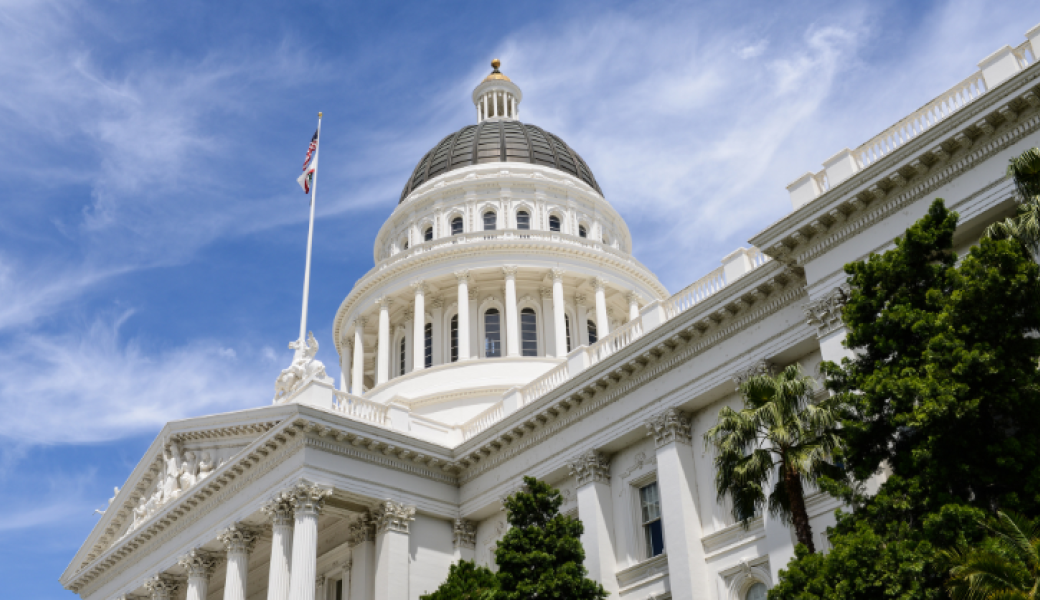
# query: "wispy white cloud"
x,y
753,50
93,385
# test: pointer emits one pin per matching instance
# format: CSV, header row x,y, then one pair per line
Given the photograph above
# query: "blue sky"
x,y
152,235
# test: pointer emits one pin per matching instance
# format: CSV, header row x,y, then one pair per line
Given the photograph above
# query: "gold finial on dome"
x,y
496,74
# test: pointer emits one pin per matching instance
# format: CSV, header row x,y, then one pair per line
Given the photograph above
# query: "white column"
x,y
383,351
478,112
465,542
463,318
345,361
357,384
280,512
418,339
558,316
633,305
392,553
199,564
512,331
548,323
602,324
583,319
409,341
239,541
677,484
437,330
308,502
162,587
515,115
362,559
592,470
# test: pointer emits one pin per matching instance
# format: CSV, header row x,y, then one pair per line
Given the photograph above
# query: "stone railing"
x,y
361,409
617,340
696,292
493,414
993,70
544,384
502,235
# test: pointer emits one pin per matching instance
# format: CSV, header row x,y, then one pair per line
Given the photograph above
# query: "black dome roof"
x,y
499,141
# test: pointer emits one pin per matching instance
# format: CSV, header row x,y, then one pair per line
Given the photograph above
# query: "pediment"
x,y
182,455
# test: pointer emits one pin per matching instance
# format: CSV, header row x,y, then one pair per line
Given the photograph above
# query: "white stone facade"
x,y
371,491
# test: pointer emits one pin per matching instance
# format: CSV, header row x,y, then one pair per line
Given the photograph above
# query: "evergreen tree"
x,y
541,555
943,395
466,581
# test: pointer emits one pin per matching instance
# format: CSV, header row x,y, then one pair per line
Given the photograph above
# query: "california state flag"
x,y
306,179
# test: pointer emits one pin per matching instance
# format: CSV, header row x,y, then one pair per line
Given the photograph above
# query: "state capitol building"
x,y
507,329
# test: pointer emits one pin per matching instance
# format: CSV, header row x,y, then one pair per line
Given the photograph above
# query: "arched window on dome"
x,y
428,350
456,226
582,232
405,245
567,331
403,355
427,234
492,333
455,338
490,221
592,332
554,223
528,332
523,220
756,592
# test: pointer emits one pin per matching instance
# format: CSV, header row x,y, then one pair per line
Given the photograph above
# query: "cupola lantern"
x,y
497,98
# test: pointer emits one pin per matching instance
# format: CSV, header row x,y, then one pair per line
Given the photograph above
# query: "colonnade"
x,y
352,355
496,103
377,569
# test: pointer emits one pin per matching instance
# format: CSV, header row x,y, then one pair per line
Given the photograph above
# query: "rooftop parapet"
x,y
993,70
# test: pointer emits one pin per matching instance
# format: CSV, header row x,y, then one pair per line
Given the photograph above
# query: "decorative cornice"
x,y
590,467
825,314
198,563
393,516
239,538
668,426
465,534
762,367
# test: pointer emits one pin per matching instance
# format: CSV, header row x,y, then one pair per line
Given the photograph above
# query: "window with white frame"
x,y
523,220
428,350
592,332
756,592
454,338
554,223
492,333
490,221
650,512
456,226
582,232
567,331
427,234
403,354
528,332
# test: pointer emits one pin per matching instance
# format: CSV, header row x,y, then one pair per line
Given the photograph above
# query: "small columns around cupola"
x,y
497,97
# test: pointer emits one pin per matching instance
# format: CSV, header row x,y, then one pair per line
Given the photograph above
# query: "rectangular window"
x,y
492,334
428,334
650,512
528,332
339,589
455,338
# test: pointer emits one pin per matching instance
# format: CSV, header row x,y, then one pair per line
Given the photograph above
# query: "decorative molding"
x,y
465,534
762,367
509,271
393,516
198,563
385,302
308,498
737,579
733,536
462,275
638,462
581,300
362,530
825,313
557,274
545,292
239,538
163,586
599,283
642,572
590,467
279,510
668,426
418,287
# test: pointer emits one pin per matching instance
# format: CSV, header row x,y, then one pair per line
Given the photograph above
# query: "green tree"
x,y
466,581
1025,225
780,431
1006,566
943,395
541,555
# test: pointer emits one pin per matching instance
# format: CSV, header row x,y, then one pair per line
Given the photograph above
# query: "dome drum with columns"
x,y
506,331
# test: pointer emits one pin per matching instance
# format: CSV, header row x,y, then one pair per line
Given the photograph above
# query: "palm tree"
x,y
779,430
1005,566
1025,225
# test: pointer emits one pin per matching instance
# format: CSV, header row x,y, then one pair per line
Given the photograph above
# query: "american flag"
x,y
310,149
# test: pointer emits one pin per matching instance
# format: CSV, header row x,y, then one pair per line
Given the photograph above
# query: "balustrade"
x,y
360,409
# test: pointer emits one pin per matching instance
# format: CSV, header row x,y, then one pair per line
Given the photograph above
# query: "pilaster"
x,y
465,539
595,509
391,550
825,315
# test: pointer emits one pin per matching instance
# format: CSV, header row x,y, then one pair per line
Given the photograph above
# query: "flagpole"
x,y
310,240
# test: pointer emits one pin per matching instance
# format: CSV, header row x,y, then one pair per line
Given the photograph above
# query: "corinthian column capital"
x,y
671,425
393,516
465,534
825,313
199,563
309,498
590,467
163,586
239,538
279,509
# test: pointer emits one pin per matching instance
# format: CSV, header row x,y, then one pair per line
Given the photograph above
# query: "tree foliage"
x,y
540,557
943,396
1005,566
779,430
